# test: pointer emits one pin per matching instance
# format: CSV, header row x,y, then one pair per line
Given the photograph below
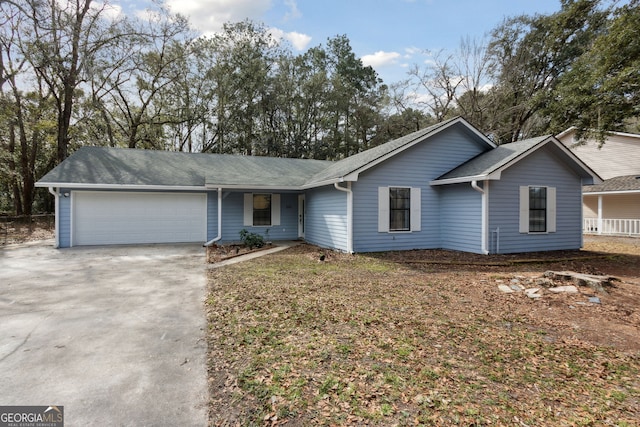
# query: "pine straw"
x,y
362,340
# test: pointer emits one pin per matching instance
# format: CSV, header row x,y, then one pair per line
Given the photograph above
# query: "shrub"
x,y
252,240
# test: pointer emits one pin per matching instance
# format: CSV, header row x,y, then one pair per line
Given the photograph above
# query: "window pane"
x,y
262,209
399,209
537,209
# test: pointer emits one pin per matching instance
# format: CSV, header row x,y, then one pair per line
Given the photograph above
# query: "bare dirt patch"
x,y
26,229
615,321
309,337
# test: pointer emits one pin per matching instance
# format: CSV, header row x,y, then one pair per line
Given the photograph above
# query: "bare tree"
x,y
472,66
436,85
24,114
134,95
64,38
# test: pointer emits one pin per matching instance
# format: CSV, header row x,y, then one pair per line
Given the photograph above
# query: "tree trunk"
x,y
15,187
70,81
28,180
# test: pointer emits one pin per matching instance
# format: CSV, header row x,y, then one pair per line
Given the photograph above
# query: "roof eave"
x,y
552,139
353,175
254,187
604,193
611,132
93,186
465,179
324,182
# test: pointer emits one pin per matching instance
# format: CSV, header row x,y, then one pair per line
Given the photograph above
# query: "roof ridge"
x,y
379,152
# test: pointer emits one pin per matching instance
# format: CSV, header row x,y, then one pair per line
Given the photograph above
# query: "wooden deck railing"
x,y
612,227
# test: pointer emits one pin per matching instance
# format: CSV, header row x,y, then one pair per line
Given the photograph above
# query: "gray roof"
x,y
486,163
362,160
617,184
130,167
101,166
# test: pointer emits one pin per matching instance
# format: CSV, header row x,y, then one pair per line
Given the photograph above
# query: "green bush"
x,y
252,240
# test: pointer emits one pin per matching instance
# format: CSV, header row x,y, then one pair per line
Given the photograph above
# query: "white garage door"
x,y
103,218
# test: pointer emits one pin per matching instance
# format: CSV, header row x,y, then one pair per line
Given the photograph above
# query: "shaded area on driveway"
x,y
114,334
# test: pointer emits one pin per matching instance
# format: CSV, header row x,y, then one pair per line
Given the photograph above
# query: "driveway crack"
x,y
24,341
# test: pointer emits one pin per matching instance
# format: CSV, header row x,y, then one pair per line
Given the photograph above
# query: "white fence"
x,y
617,227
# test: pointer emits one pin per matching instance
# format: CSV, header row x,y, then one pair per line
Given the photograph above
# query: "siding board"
x,y
618,156
64,220
233,218
415,167
326,222
212,214
461,218
540,168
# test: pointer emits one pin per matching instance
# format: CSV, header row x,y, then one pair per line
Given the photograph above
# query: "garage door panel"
x,y
128,218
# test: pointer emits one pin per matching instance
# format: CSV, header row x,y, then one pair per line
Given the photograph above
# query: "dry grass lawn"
x,y
423,338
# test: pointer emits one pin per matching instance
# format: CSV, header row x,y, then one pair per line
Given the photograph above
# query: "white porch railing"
x,y
618,227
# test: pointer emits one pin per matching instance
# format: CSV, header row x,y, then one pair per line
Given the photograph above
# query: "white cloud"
x,y
410,51
109,11
105,10
380,59
294,12
298,40
209,16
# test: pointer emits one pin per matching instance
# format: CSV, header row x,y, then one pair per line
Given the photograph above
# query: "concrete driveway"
x,y
113,334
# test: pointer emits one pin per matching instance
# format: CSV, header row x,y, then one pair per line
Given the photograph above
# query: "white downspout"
x,y
219,236
485,216
56,218
349,214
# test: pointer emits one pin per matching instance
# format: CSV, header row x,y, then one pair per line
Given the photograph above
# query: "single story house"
x,y
612,207
446,186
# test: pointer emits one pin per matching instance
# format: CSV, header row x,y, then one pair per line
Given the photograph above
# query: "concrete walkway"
x,y
280,246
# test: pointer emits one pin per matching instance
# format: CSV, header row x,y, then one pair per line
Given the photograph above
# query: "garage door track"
x,y
113,334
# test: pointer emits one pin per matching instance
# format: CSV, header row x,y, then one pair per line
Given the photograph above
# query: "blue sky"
x,y
390,35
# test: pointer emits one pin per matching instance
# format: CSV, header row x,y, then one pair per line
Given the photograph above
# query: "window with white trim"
x,y
537,209
261,209
399,209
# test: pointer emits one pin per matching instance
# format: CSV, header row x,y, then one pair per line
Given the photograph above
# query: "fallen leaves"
x,y
363,340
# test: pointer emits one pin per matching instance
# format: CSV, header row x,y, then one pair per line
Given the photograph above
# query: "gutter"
x,y
84,186
219,236
606,193
485,214
464,179
56,217
349,214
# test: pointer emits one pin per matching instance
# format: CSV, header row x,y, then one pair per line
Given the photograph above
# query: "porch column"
x,y
600,214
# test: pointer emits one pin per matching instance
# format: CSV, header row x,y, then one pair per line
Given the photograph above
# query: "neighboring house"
x,y
612,207
447,186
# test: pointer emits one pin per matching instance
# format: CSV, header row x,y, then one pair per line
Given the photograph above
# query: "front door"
x,y
301,216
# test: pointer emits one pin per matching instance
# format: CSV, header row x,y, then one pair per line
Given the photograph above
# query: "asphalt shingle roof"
x,y
619,183
119,166
492,160
360,160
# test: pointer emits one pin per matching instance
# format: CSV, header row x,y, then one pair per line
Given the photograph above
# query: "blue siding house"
x,y
446,186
